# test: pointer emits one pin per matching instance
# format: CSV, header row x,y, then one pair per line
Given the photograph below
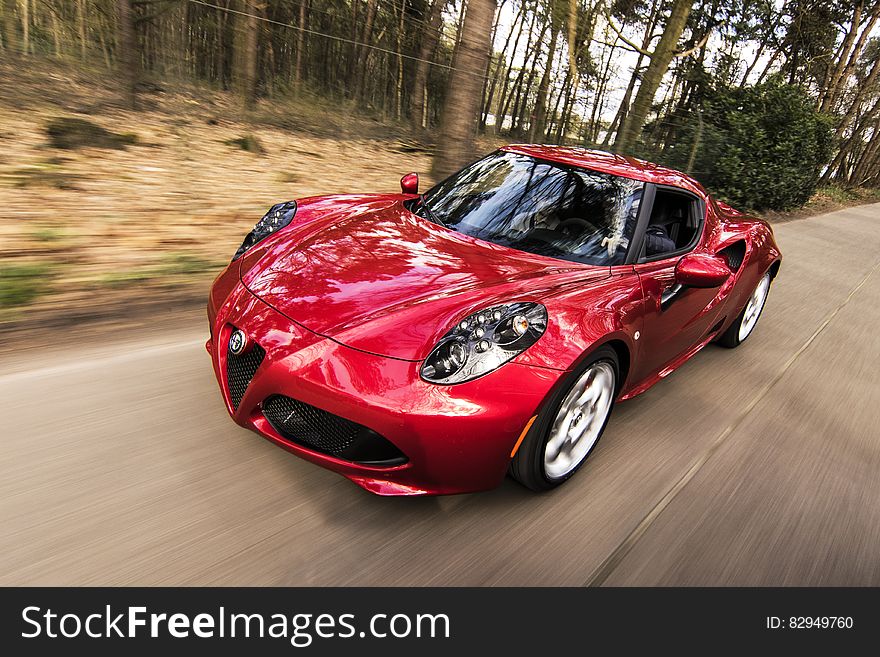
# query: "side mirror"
x,y
409,184
701,270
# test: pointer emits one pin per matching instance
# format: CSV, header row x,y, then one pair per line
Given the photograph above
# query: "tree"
x,y
847,56
659,63
359,66
245,50
810,38
623,109
10,34
455,141
502,63
559,66
81,27
128,51
300,44
539,112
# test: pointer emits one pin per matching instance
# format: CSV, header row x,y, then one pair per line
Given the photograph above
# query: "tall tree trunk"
x,y
620,116
849,53
835,68
430,37
10,29
56,31
570,94
838,82
852,111
539,112
552,119
300,43
517,84
855,136
867,161
81,26
504,101
773,57
25,26
398,91
599,98
488,72
572,37
458,125
490,93
360,66
128,51
522,94
660,59
245,51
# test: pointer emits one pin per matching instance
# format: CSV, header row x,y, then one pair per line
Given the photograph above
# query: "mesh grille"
x,y
306,424
735,253
240,370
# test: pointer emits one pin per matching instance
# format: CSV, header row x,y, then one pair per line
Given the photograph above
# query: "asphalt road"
x,y
757,465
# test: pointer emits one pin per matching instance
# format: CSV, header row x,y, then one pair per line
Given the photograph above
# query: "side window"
x,y
673,224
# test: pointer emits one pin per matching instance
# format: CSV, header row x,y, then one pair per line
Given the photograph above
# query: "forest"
x,y
760,100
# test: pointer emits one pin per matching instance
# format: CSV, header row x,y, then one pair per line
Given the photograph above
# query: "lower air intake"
x,y
330,434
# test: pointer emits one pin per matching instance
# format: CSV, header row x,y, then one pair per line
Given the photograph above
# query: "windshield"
x,y
540,207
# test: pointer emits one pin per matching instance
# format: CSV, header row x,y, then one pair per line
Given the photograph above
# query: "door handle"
x,y
669,295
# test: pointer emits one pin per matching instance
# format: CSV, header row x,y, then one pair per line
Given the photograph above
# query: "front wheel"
x,y
570,425
745,322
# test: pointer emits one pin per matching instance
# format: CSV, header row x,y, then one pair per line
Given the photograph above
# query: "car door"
x,y
676,318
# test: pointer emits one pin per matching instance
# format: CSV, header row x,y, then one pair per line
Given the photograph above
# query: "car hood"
x,y
368,273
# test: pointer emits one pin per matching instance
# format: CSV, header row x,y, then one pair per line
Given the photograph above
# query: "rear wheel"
x,y
570,425
745,322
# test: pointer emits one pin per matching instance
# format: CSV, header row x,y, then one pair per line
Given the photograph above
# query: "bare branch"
x,y
647,53
700,44
620,36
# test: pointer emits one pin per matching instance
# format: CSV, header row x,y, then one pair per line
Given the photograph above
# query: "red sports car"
x,y
431,343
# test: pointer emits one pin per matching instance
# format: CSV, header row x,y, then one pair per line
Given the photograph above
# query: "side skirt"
x,y
656,377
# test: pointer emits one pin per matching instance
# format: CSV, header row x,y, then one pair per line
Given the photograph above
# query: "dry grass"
x,y
162,215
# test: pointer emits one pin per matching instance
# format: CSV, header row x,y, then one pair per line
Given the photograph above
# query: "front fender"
x,y
581,321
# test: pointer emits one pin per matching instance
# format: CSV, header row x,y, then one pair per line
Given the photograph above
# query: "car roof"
x,y
618,165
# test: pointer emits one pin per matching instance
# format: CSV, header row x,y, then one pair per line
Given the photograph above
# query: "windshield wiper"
x,y
429,215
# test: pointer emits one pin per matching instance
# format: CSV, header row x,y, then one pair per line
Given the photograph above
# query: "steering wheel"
x,y
566,225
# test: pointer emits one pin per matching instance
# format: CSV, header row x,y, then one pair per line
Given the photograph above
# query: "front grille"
x,y
240,370
327,433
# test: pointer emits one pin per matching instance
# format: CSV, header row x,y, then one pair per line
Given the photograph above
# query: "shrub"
x,y
69,133
247,143
21,284
760,147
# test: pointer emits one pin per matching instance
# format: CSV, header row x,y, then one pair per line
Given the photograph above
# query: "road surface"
x,y
753,466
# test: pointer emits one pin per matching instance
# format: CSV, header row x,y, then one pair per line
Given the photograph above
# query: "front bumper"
x,y
456,439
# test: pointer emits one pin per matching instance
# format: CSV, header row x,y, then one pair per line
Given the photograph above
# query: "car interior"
x,y
673,222
573,222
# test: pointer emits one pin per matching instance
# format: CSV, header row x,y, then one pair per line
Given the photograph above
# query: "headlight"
x,y
275,219
484,341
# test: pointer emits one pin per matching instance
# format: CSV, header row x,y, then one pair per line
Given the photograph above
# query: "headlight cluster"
x,y
278,216
484,341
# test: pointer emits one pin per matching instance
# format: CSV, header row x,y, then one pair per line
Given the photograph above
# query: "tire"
x,y
533,466
745,322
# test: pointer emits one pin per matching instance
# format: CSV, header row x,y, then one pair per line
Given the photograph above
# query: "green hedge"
x,y
760,147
